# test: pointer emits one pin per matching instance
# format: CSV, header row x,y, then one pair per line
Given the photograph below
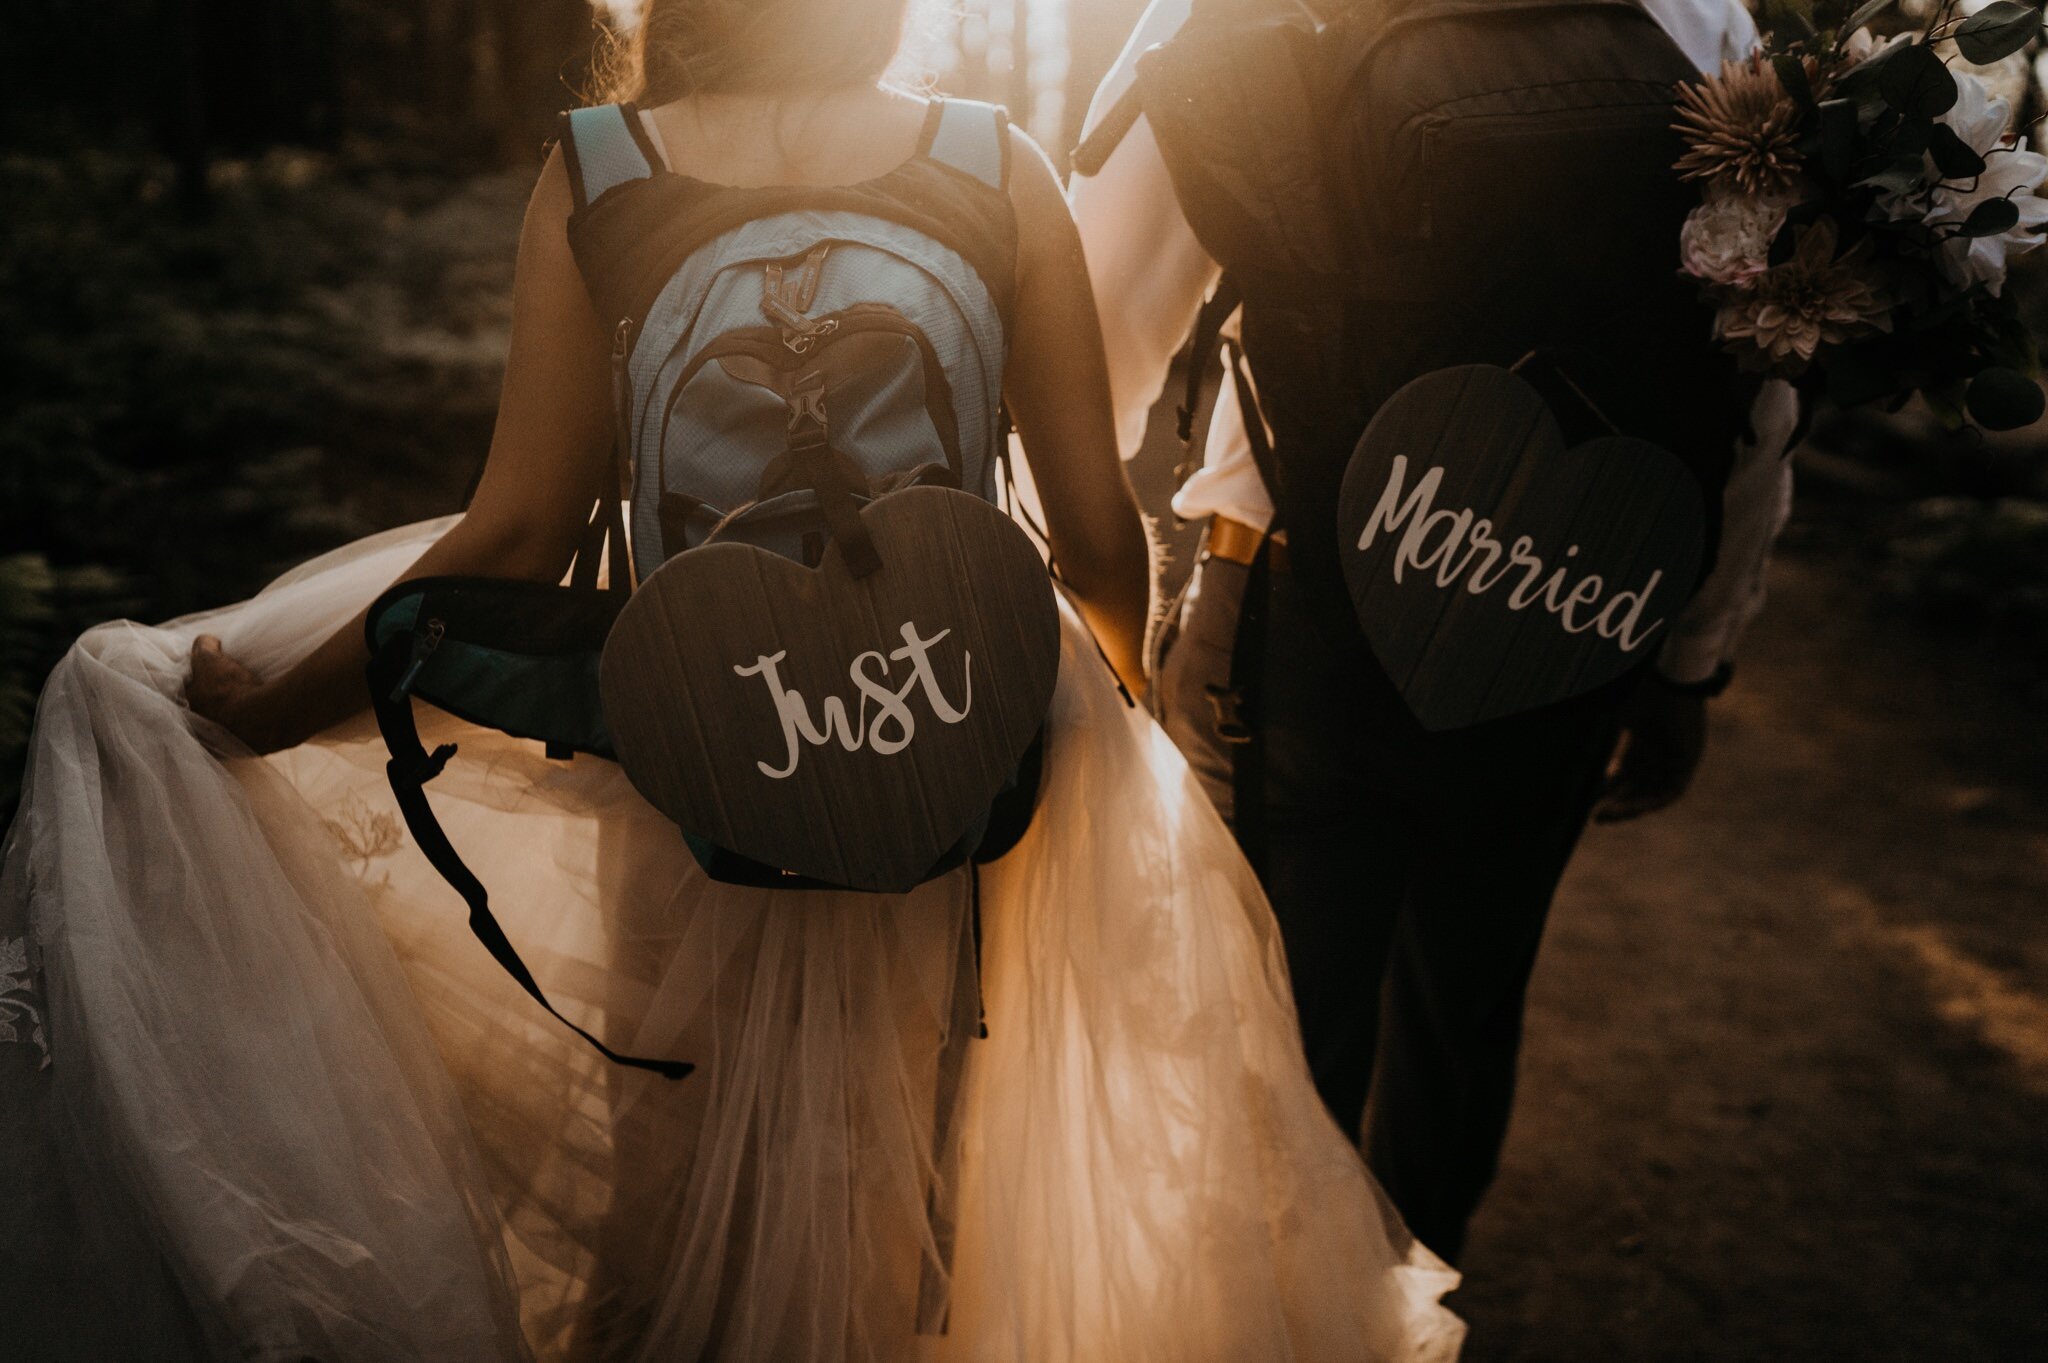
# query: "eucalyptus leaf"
x,y
1991,217
1953,157
1915,82
1998,30
2004,399
1912,136
1905,175
1865,14
1792,76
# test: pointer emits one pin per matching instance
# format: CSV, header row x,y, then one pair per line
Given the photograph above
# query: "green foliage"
x,y
1914,83
1876,160
2002,399
38,605
1997,30
195,403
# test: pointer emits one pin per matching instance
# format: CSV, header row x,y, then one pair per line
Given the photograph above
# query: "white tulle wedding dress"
x,y
263,1097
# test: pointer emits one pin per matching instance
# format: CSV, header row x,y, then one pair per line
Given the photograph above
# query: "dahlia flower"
x,y
1814,299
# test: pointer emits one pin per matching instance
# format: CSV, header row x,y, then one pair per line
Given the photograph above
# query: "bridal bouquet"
x,y
1861,199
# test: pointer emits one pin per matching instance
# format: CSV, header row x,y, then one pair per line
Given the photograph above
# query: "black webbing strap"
x,y
410,768
812,462
1248,650
942,1187
1254,421
974,927
1247,687
1095,149
1204,338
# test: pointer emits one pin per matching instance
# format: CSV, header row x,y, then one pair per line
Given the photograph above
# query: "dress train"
x,y
292,1109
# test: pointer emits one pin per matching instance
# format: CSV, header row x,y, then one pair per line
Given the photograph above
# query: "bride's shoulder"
x,y
552,197
1034,185
545,231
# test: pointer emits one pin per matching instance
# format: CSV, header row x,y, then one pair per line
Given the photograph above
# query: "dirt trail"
x,y
1785,1094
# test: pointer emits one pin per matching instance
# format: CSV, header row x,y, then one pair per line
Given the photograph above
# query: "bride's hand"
x,y
227,691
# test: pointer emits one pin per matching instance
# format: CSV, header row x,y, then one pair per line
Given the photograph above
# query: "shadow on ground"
x,y
1786,1088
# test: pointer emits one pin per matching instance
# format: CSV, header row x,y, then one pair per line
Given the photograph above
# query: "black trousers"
x,y
1410,872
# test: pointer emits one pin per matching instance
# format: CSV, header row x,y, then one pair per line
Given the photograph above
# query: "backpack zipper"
x,y
1430,127
771,347
622,402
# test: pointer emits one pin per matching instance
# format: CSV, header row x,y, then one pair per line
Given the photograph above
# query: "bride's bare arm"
x,y
550,452
1058,392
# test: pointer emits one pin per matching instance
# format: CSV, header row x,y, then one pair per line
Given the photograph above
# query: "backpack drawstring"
x,y
785,300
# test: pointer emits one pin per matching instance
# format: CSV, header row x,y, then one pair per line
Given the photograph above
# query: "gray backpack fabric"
x,y
784,340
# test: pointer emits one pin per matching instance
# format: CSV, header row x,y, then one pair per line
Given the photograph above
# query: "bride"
x,y
267,1099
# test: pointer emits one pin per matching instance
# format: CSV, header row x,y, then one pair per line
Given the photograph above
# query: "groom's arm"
x,y
1754,508
1666,729
1149,272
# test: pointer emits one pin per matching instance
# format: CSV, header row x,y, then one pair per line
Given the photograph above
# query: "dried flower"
x,y
1740,129
1816,298
1727,239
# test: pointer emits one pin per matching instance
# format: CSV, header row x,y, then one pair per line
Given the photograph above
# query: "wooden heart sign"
x,y
1494,570
847,729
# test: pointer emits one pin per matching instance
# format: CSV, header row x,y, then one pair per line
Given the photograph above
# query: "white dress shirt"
x,y
1151,275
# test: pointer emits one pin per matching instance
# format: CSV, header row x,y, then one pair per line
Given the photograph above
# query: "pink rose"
x,y
1727,239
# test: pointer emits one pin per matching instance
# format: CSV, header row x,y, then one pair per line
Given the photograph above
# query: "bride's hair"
x,y
692,47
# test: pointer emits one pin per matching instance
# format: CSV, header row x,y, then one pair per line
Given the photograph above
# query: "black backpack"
x,y
1426,184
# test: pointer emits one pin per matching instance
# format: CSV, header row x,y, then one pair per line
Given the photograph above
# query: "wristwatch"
x,y
1707,687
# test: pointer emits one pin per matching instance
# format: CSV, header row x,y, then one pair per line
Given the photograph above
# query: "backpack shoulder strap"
x,y
606,147
395,664
971,137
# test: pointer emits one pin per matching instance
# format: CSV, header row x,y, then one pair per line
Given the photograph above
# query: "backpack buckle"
x,y
804,333
807,425
785,301
1232,725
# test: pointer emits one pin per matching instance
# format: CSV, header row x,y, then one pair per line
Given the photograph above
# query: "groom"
x,y
1411,871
